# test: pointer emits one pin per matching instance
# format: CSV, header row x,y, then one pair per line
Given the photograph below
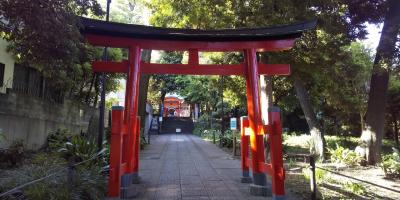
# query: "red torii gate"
x,y
124,150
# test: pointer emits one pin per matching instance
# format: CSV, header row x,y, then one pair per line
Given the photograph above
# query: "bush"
x,y
320,175
355,188
13,155
210,133
344,156
198,130
227,139
391,164
57,139
88,183
81,148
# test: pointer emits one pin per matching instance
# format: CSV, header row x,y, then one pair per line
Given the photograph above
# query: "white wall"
x,y
7,59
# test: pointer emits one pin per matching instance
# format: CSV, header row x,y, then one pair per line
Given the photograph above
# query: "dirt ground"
x,y
332,186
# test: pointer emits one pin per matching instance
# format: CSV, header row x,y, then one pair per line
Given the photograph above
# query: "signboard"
x,y
233,123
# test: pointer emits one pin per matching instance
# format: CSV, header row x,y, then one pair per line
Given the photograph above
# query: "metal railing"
x,y
313,179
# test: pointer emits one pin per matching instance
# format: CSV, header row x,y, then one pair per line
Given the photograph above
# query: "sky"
x,y
374,34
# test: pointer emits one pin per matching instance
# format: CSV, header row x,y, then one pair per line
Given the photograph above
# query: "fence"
x,y
313,178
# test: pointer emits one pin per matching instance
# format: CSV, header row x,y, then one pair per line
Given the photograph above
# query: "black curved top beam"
x,y
98,27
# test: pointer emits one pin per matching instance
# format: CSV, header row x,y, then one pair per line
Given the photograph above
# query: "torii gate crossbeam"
x,y
124,150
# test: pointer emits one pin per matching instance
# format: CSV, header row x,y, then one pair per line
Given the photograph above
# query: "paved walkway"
x,y
185,167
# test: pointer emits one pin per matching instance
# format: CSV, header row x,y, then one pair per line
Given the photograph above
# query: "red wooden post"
x,y
137,146
254,114
114,180
244,148
278,173
133,87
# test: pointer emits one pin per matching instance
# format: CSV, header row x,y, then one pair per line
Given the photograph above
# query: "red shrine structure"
x,y
175,107
124,149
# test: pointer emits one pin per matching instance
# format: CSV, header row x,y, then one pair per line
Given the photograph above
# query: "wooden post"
x,y
114,181
259,186
244,150
278,173
313,182
234,143
214,137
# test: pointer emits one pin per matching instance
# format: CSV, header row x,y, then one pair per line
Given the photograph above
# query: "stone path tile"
x,y
185,167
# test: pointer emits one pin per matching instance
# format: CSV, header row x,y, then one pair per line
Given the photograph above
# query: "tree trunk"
x,y
266,100
362,120
266,103
143,89
163,93
317,146
90,88
371,137
396,133
395,128
96,89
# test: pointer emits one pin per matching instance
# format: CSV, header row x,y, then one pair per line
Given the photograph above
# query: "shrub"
x,y
210,133
80,148
198,129
88,183
355,188
391,164
57,139
344,156
227,139
320,174
14,154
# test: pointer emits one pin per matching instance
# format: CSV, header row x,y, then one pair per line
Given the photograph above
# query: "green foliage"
x,y
227,139
344,156
88,183
320,175
126,11
111,102
13,155
2,137
46,36
391,164
321,57
80,148
56,140
292,163
355,188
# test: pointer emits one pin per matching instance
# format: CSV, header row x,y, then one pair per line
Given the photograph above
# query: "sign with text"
x,y
233,123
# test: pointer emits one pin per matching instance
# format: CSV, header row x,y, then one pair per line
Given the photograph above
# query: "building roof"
x,y
99,27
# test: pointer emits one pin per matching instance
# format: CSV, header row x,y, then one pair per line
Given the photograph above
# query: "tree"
x,y
393,107
165,83
371,138
233,14
45,35
317,58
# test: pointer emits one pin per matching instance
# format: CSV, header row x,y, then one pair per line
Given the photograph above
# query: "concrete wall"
x,y
32,119
7,59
